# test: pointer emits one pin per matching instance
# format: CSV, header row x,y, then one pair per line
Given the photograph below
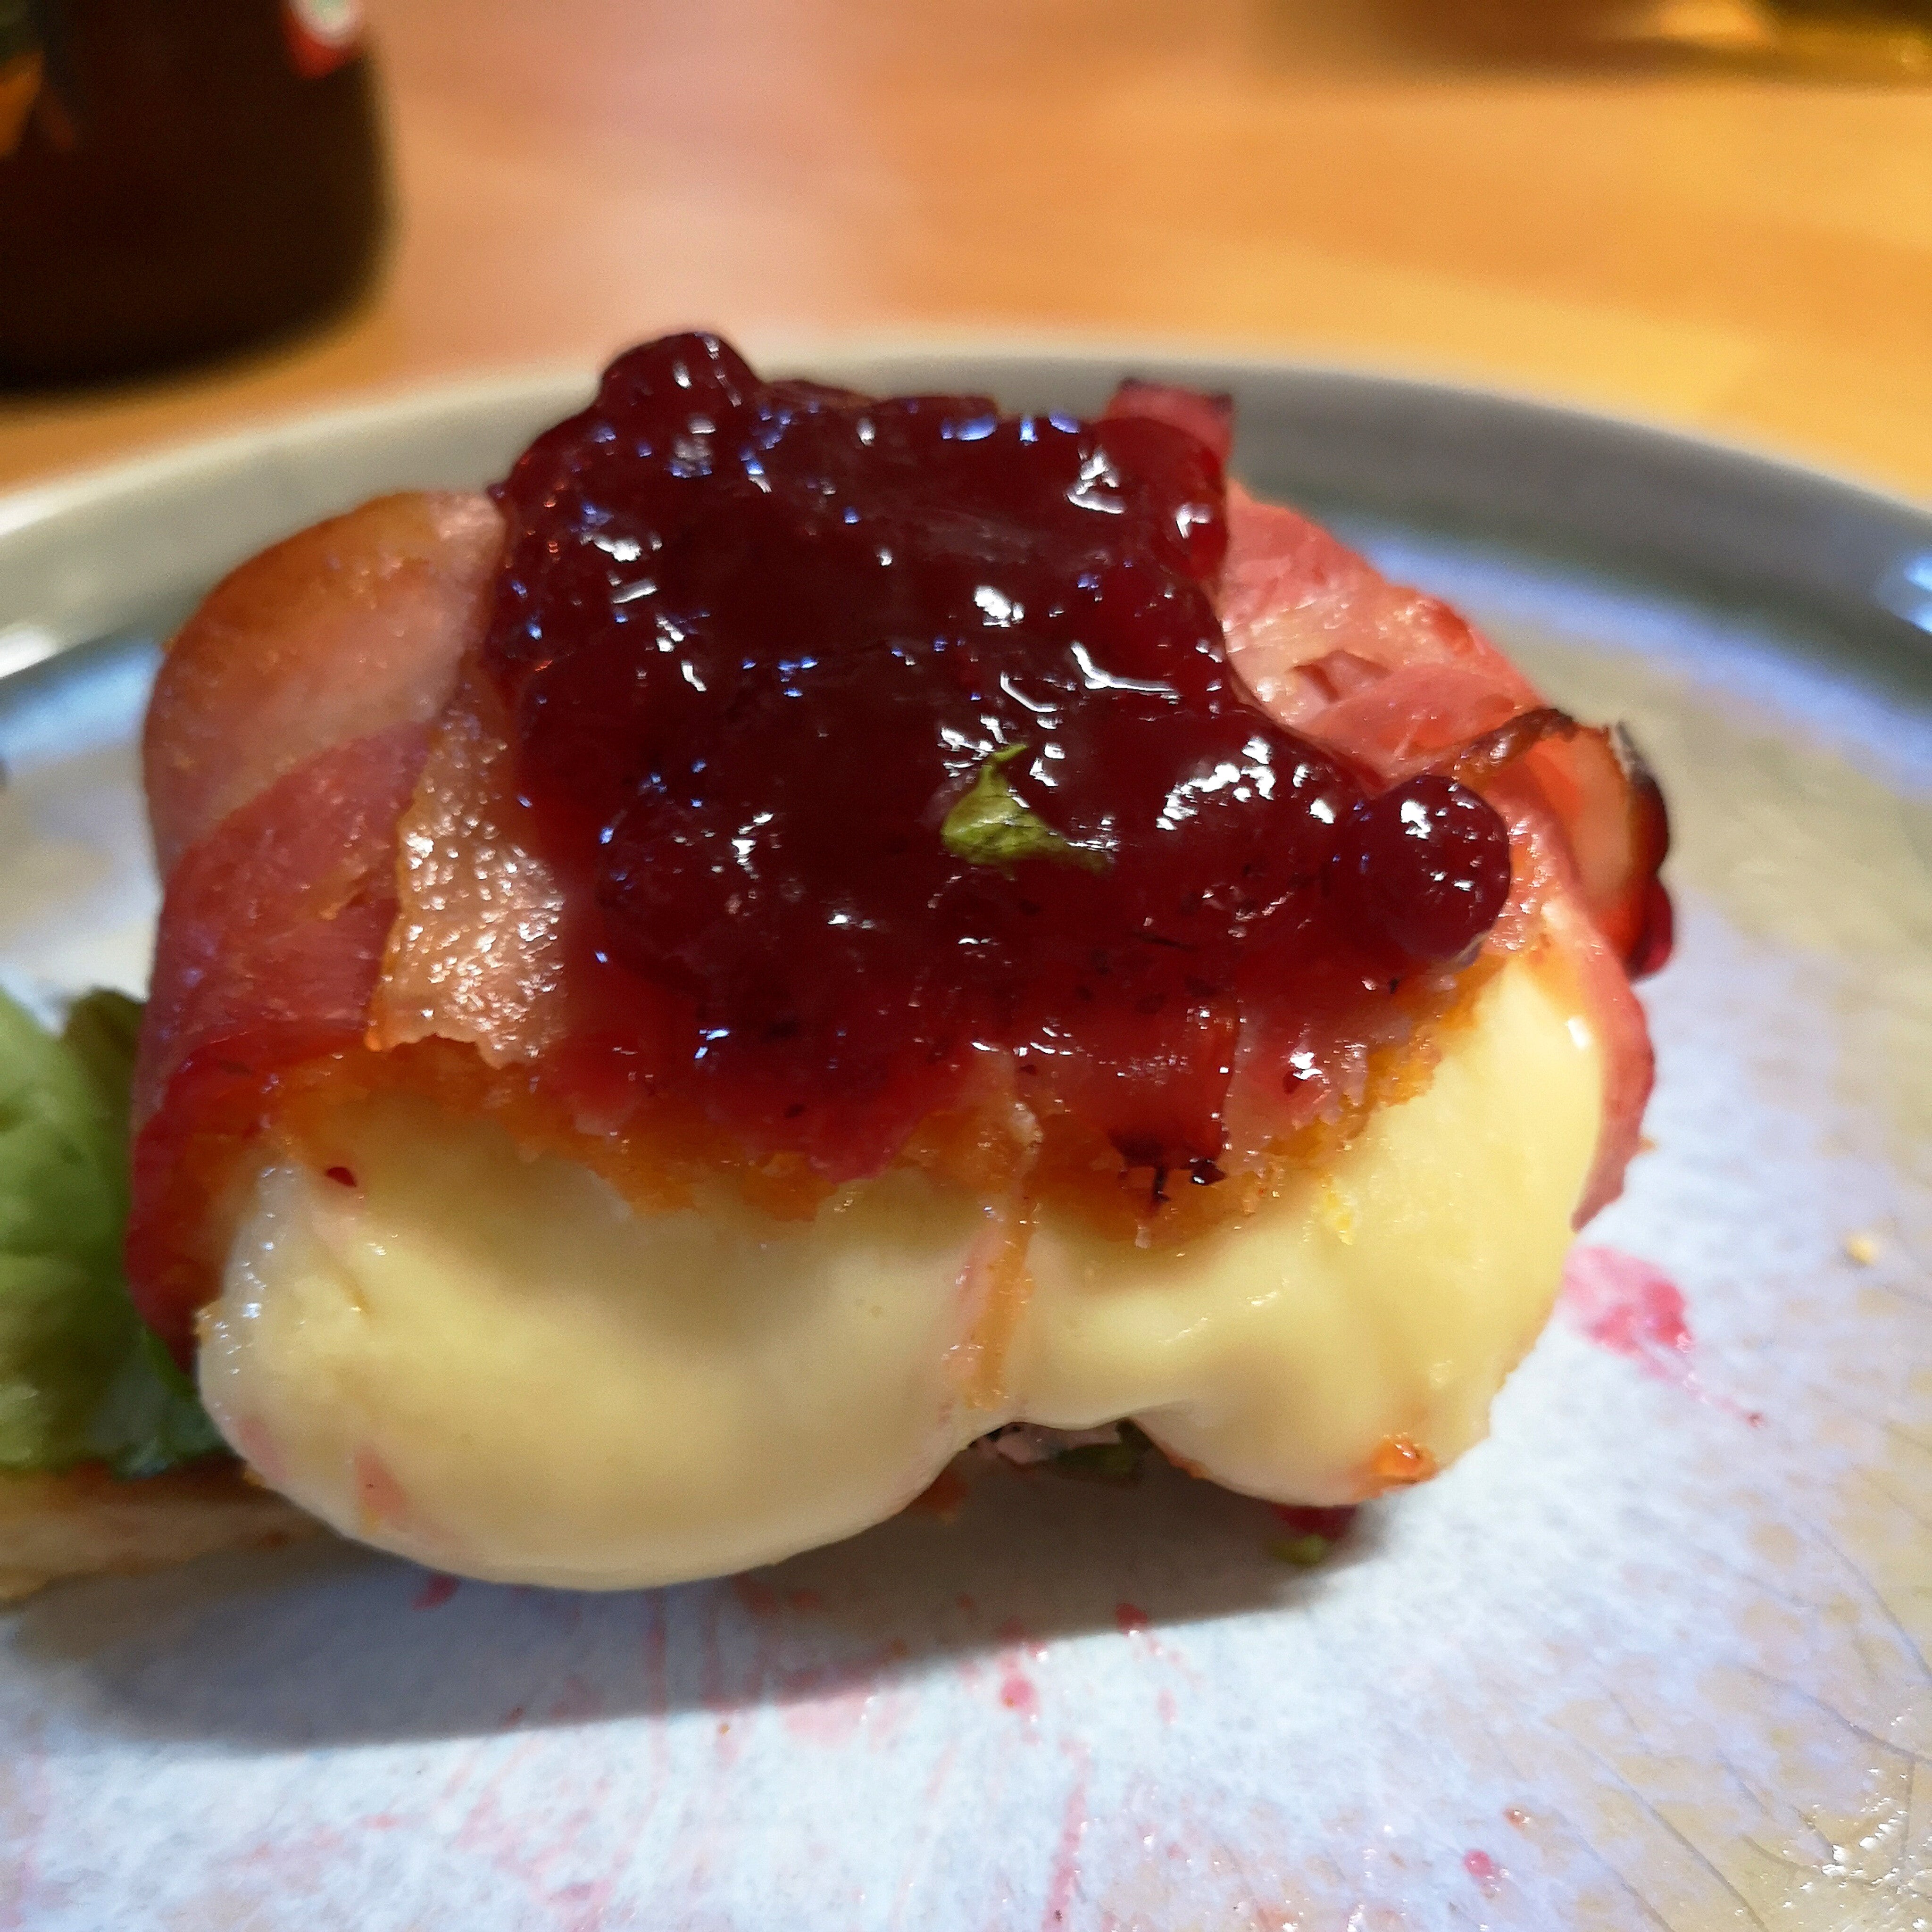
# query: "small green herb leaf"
x,y
990,826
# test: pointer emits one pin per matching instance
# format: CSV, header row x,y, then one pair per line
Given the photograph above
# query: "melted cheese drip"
x,y
493,1364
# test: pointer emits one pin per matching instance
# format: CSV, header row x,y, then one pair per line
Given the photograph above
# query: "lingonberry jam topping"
x,y
1427,864
888,736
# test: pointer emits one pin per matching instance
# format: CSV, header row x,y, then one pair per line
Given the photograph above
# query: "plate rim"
x,y
47,525
60,488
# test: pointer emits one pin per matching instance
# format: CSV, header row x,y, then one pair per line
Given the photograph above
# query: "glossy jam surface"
x,y
896,744
1424,868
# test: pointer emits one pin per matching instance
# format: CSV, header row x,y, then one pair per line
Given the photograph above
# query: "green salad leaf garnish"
x,y
82,1379
990,826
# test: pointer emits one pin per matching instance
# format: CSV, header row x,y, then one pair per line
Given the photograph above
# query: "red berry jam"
x,y
891,737
1427,865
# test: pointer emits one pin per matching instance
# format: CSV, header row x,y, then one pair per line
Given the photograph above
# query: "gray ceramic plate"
x,y
1655,1655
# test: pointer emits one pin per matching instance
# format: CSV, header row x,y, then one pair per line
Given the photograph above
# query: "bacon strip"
x,y
288,722
1548,878
1399,682
1208,419
476,952
1595,781
1613,815
1391,678
271,936
343,630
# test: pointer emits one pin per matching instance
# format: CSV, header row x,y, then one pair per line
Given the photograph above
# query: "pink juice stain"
x,y
1063,1879
1631,1307
1134,1624
436,1591
834,1718
758,1598
825,1708
1484,1870
1016,1688
1017,1692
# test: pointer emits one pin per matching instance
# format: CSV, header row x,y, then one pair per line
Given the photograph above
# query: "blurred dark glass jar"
x,y
179,177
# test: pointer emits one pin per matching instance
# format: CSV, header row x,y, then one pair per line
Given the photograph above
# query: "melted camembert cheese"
x,y
492,1364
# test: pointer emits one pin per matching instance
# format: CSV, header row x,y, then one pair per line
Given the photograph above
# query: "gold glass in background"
x,y
1858,39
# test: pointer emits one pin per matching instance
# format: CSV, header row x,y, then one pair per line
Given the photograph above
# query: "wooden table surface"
x,y
1330,179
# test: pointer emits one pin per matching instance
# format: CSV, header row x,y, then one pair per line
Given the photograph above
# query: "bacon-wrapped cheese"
x,y
485,1273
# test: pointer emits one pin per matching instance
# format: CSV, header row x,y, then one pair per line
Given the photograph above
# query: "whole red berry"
x,y
1425,868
